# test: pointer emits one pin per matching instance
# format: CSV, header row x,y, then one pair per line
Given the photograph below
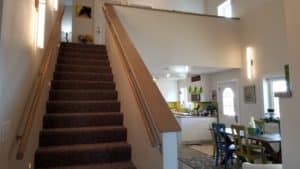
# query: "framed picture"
x,y
250,94
82,11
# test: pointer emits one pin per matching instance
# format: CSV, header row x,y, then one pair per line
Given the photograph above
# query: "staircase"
x,y
83,127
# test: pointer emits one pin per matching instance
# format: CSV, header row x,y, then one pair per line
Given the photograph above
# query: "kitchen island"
x,y
194,129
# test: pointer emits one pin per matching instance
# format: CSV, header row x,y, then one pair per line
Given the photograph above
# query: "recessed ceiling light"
x,y
180,69
168,75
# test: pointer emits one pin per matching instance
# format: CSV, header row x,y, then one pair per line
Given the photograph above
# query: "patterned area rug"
x,y
204,148
196,159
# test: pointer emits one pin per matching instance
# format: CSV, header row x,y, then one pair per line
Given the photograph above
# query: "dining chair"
x,y
245,151
213,141
261,125
224,147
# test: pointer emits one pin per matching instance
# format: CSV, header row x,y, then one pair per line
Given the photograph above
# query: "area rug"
x,y
205,148
196,159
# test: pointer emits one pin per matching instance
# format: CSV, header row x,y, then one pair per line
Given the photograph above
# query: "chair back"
x,y
239,135
261,125
219,132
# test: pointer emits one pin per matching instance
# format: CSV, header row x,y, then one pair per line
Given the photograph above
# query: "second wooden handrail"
x,y
32,103
157,116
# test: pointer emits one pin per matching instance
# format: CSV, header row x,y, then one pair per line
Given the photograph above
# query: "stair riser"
x,y
82,121
81,85
84,76
83,62
55,159
85,137
82,69
57,95
59,107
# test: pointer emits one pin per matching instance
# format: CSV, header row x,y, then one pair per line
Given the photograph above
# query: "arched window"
x,y
228,102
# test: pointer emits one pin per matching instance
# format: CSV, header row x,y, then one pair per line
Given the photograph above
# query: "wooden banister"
x,y
39,84
171,11
157,116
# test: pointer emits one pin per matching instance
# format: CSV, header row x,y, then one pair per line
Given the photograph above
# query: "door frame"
x,y
237,94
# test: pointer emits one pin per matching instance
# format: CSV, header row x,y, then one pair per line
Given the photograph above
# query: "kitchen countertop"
x,y
187,115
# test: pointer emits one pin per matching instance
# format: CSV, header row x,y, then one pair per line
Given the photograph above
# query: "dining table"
x,y
266,139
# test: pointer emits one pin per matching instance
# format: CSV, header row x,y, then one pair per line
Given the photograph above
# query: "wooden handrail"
x,y
157,116
171,11
35,94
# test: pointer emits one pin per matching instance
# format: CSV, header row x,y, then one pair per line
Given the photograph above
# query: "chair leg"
x,y
217,156
214,151
226,159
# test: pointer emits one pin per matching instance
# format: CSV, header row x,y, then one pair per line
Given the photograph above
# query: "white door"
x,y
228,102
99,22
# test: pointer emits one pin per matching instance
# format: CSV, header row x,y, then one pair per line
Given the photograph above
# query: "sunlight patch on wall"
x,y
41,24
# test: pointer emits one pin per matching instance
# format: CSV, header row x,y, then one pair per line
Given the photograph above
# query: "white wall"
x,y
164,38
290,106
1,11
19,64
262,27
204,83
216,78
196,6
66,25
264,30
168,88
82,25
239,7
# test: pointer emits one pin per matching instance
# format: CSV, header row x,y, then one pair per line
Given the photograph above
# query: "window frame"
x,y
270,95
232,100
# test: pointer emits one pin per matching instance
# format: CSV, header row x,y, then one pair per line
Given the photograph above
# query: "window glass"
x,y
228,102
274,85
277,86
225,9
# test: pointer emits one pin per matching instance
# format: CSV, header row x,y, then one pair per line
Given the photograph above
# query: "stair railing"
x,y
30,111
158,118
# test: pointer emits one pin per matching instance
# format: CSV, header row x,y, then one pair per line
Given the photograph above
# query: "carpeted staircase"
x,y
83,127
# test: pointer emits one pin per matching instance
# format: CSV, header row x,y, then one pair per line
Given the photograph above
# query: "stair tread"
x,y
82,129
82,66
82,59
83,114
83,101
85,91
70,57
84,81
84,73
80,44
82,147
116,165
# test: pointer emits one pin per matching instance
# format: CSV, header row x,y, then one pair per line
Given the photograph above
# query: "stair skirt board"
x,y
83,127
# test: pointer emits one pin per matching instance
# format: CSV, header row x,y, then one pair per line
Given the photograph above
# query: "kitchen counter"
x,y
194,129
193,116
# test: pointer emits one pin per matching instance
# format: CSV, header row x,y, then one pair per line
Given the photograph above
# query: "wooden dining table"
x,y
266,139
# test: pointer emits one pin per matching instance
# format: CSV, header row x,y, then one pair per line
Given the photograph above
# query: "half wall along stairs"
x,y
83,127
